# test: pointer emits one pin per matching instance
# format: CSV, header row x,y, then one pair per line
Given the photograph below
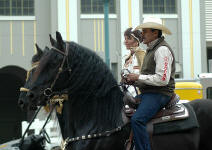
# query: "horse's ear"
x,y
59,37
52,41
39,51
38,55
60,41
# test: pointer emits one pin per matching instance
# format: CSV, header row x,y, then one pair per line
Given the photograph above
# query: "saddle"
x,y
172,111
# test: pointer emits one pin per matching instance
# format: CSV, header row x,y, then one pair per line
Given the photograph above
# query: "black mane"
x,y
89,70
93,91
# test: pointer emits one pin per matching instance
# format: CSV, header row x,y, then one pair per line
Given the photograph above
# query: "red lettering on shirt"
x,y
165,68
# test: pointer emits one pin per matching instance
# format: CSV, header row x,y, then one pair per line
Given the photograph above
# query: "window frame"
x,y
97,13
164,7
162,16
17,18
13,6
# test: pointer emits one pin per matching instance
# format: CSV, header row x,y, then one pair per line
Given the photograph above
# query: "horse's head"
x,y
52,69
23,102
71,68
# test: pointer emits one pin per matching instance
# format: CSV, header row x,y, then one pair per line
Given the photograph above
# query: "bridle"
x,y
48,91
58,97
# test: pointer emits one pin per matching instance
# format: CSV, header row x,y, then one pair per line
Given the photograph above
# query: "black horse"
x,y
95,102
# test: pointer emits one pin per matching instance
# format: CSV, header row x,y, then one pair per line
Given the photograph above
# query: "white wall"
x,y
191,20
67,19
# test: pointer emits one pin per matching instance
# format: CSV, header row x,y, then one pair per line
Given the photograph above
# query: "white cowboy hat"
x,y
153,23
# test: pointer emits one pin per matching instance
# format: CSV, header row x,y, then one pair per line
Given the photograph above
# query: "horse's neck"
x,y
91,116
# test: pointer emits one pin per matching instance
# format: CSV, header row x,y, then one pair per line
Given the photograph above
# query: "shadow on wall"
x,y
11,79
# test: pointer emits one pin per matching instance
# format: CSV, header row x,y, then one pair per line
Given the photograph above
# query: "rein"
x,y
42,131
124,73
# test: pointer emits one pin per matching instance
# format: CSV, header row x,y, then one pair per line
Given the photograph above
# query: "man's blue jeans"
x,y
150,104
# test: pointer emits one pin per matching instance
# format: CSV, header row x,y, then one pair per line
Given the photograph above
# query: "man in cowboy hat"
x,y
156,80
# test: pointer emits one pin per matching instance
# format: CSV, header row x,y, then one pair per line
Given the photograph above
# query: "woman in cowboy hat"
x,y
156,80
134,60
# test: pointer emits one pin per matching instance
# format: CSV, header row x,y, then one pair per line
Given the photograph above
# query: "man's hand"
x,y
124,80
131,78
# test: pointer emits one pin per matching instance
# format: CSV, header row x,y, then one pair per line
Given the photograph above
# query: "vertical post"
x,y
191,39
107,51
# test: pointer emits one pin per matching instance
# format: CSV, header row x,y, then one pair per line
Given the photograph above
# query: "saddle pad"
x,y
178,125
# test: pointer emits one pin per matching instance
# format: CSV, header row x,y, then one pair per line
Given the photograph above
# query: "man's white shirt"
x,y
163,59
